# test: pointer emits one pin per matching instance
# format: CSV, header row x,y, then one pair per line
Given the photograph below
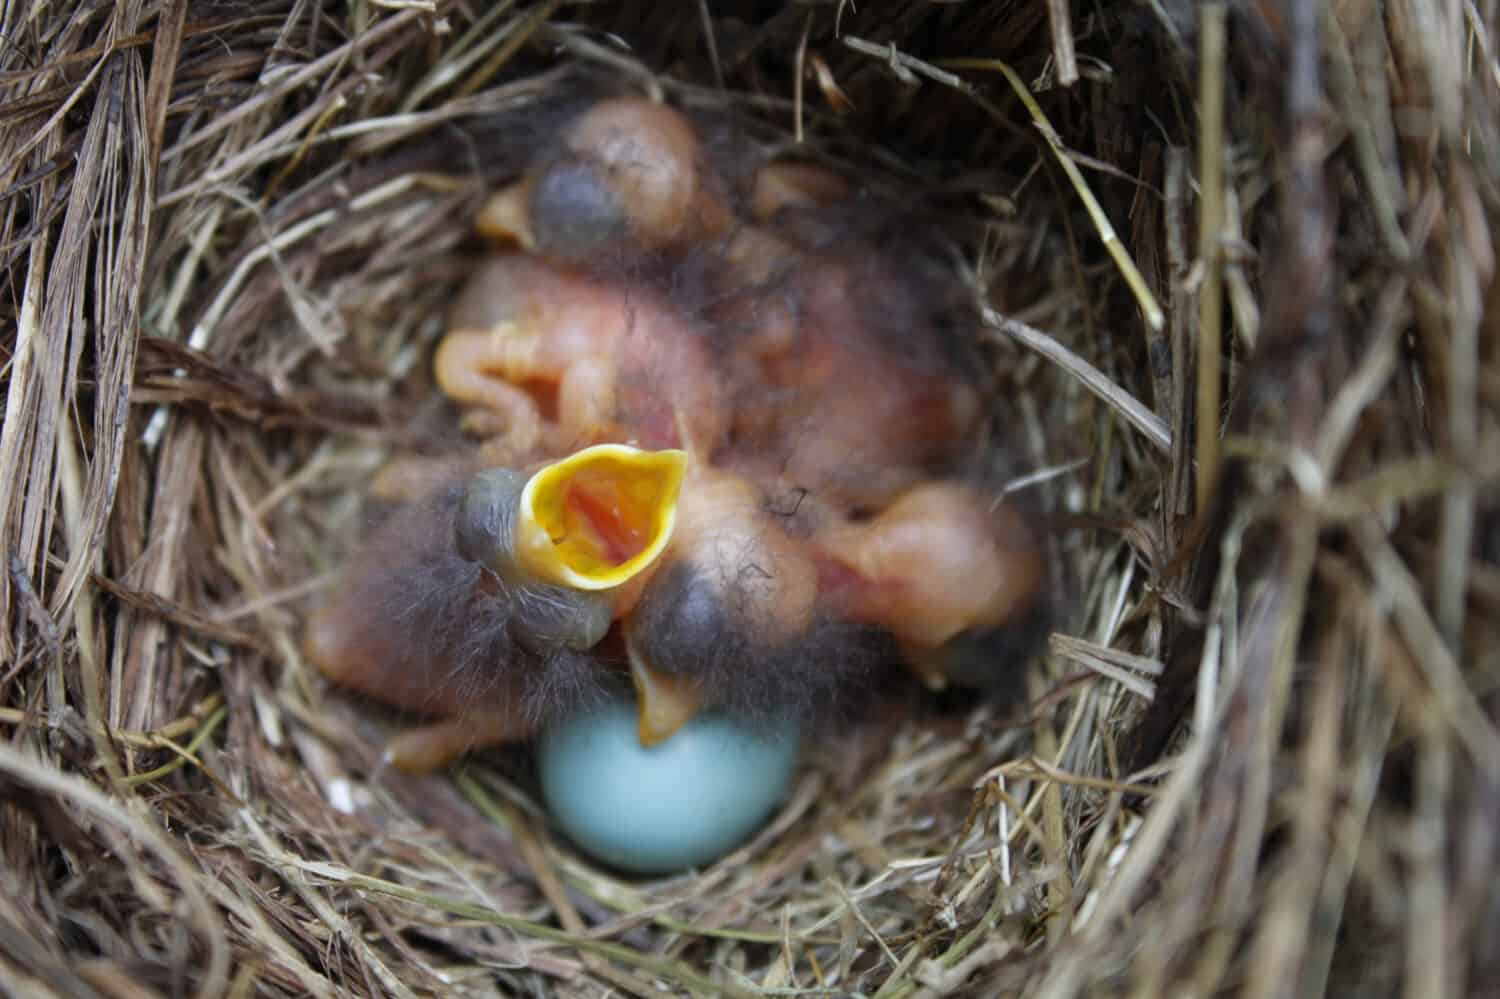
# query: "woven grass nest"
x,y
1233,266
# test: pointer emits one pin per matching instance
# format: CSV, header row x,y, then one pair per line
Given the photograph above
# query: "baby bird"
x,y
940,569
773,614
733,619
549,359
804,517
859,397
630,174
479,606
816,350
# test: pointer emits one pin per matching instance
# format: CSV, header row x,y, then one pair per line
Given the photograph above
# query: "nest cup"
x,y
1232,283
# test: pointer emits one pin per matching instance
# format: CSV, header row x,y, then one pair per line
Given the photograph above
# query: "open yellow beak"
x,y
598,518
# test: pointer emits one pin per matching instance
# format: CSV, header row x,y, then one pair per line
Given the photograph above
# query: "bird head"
x,y
592,521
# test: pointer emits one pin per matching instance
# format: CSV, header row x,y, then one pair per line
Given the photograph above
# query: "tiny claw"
x,y
665,702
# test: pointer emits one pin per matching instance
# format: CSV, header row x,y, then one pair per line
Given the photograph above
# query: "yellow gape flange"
x,y
596,519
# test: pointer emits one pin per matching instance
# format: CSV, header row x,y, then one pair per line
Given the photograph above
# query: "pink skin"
x,y
361,638
640,158
344,646
653,154
548,360
942,559
611,363
852,421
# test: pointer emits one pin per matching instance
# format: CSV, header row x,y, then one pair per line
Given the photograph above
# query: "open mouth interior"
x,y
606,512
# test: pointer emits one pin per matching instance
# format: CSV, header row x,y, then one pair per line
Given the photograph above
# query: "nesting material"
x,y
1260,752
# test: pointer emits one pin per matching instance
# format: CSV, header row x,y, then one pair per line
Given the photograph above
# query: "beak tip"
x,y
647,734
664,703
504,218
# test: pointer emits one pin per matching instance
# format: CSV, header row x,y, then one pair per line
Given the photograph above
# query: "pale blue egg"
x,y
678,804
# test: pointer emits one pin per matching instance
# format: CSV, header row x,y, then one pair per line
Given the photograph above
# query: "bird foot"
x,y
435,746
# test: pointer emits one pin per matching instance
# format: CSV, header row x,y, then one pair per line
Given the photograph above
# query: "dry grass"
x,y
227,233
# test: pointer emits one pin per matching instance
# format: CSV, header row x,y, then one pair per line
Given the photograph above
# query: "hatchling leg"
x,y
438,744
484,369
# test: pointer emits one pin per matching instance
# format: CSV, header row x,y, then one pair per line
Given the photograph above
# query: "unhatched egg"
x,y
674,805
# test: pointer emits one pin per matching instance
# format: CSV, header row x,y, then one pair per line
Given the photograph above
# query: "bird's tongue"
x,y
615,529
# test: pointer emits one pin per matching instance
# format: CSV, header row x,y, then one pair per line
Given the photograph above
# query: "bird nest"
x,y
1232,269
